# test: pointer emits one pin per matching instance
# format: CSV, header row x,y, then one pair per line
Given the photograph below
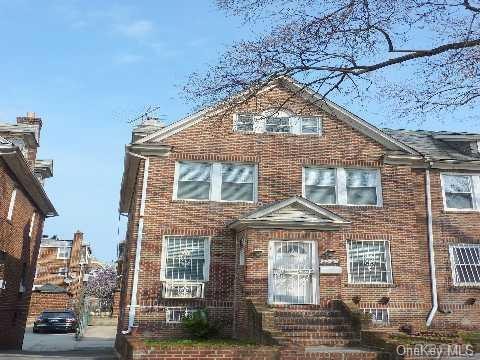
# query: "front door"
x,y
293,272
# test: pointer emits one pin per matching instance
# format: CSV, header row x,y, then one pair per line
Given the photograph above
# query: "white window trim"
x,y
63,257
64,273
215,194
452,265
172,308
206,266
389,255
295,123
475,181
376,322
341,185
11,206
32,223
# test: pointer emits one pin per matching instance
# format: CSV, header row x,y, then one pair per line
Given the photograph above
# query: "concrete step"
x,y
312,321
308,341
341,327
308,313
341,353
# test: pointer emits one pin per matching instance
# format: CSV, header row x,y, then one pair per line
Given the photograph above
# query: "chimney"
x,y
146,127
31,119
78,237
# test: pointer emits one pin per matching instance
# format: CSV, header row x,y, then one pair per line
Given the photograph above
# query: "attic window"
x,y
277,125
244,122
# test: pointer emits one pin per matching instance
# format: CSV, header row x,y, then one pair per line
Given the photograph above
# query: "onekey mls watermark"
x,y
436,351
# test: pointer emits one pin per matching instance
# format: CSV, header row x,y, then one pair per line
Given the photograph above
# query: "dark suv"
x,y
55,320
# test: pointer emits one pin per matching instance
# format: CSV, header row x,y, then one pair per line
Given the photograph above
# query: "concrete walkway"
x,y
96,344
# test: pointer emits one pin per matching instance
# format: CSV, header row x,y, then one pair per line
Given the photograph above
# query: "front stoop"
x,y
314,332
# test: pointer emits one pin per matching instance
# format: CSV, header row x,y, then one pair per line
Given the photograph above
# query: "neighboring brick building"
x,y
24,206
270,217
63,264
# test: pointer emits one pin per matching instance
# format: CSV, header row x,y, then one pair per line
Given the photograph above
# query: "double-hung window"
x,y
194,180
459,191
342,186
185,258
465,261
277,124
63,253
369,262
215,181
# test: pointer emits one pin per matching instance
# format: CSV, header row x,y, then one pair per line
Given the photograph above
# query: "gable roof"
x,y
293,213
434,145
308,94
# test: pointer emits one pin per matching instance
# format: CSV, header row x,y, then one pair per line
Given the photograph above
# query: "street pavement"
x,y
97,344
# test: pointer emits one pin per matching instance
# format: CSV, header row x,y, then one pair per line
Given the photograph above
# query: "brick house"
x,y
62,270
24,206
279,212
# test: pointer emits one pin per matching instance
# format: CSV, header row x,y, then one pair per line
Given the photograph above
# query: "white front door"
x,y
293,272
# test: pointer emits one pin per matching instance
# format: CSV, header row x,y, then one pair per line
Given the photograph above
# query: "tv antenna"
x,y
146,114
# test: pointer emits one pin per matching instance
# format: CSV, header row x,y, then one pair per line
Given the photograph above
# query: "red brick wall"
x,y
47,301
22,254
280,159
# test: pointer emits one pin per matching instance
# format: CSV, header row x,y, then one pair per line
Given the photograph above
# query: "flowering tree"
x,y
349,46
101,285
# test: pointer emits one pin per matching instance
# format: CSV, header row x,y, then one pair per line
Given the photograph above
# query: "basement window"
x,y
465,261
379,316
185,258
174,315
369,262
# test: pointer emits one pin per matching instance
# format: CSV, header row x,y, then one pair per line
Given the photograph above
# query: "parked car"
x,y
56,320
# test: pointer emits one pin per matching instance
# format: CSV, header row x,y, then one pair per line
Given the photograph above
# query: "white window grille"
x,y
12,205
244,123
182,290
174,315
277,124
63,252
465,261
310,125
342,186
185,258
32,223
459,191
215,181
379,316
369,262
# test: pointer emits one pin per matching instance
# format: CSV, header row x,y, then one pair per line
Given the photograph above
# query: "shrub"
x,y
198,326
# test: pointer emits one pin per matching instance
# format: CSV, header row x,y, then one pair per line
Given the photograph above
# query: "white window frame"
x,y
32,223
388,261
377,322
295,123
319,125
453,264
169,309
236,118
475,182
341,185
62,273
63,257
11,206
206,266
215,194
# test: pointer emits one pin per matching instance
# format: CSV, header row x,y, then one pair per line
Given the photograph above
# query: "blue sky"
x,y
87,67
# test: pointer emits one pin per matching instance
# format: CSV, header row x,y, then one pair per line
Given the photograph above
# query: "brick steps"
x,y
342,326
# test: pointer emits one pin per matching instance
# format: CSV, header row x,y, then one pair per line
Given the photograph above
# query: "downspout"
x,y
433,277
138,249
